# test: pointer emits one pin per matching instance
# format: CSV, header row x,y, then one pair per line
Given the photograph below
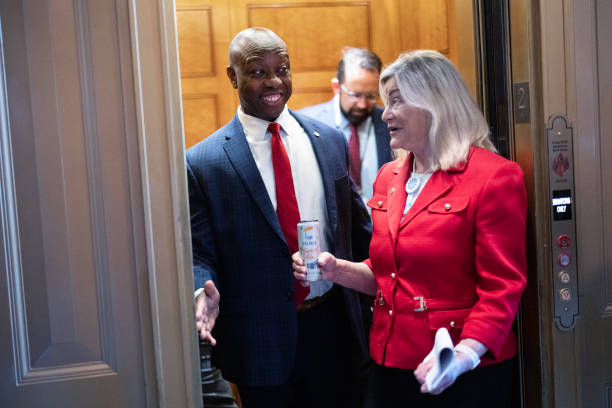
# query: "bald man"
x,y
281,346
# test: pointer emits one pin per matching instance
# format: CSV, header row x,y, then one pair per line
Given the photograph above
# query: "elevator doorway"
x,y
474,35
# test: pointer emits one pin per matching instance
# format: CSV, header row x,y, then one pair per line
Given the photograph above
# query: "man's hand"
x,y
207,309
299,269
327,263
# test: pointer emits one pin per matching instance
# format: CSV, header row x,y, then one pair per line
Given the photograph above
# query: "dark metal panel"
x,y
496,73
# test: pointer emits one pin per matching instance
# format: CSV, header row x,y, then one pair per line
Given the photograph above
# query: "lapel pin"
x,y
317,134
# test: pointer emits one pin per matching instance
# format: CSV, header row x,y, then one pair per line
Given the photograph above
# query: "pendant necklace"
x,y
414,181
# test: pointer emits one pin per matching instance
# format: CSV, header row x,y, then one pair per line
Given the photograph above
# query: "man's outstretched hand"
x,y
207,310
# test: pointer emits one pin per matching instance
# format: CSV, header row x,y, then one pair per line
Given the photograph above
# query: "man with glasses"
x,y
353,110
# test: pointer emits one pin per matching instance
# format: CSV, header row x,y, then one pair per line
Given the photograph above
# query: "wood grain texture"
x,y
315,32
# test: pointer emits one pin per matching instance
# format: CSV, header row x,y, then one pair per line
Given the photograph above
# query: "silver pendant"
x,y
413,184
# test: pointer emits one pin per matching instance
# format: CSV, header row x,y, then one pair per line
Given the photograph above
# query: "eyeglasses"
x,y
369,96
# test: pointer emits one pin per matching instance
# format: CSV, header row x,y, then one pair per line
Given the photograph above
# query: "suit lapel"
x,y
396,196
237,149
321,150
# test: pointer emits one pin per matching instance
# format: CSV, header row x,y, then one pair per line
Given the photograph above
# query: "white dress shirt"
x,y
367,149
307,179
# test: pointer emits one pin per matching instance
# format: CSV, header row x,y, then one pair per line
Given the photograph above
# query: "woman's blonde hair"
x,y
429,81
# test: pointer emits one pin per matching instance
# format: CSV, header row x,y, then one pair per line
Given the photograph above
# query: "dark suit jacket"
x,y
325,113
238,243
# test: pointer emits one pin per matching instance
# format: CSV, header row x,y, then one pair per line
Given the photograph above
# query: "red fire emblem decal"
x,y
560,164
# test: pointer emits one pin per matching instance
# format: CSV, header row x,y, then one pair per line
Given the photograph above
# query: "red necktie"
x,y
286,204
354,156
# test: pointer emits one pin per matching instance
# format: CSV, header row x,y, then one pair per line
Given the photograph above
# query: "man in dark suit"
x,y
353,110
247,183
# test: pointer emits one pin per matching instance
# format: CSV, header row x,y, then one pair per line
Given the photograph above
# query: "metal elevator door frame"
x,y
505,58
560,51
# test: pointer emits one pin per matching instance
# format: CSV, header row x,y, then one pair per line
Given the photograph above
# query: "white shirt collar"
x,y
257,128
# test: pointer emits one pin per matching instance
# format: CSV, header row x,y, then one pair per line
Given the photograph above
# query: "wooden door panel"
x,y
315,33
70,319
200,116
196,52
426,25
198,70
204,35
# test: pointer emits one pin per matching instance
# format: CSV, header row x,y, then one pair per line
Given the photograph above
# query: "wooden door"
x,y
64,264
315,33
95,308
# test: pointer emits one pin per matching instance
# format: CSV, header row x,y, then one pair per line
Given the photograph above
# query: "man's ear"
x,y
335,85
231,74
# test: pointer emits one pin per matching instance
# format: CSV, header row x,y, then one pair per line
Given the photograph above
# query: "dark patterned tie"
x,y
286,204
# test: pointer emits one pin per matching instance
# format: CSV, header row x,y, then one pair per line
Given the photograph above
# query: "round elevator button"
x,y
565,294
563,241
564,259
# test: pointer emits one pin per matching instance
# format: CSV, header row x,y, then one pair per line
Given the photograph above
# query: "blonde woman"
x,y
448,244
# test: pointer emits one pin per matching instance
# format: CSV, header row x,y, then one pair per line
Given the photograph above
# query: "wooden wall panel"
x,y
425,25
309,96
204,34
311,87
195,40
199,117
315,33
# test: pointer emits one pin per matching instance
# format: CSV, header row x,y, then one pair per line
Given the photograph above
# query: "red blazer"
x,y
460,248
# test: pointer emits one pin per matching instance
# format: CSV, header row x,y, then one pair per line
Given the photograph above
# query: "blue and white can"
x,y
309,242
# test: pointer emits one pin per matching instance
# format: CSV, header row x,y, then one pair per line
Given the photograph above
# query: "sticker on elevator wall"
x,y
560,164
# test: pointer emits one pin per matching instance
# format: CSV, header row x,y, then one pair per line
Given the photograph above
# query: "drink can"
x,y
309,243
